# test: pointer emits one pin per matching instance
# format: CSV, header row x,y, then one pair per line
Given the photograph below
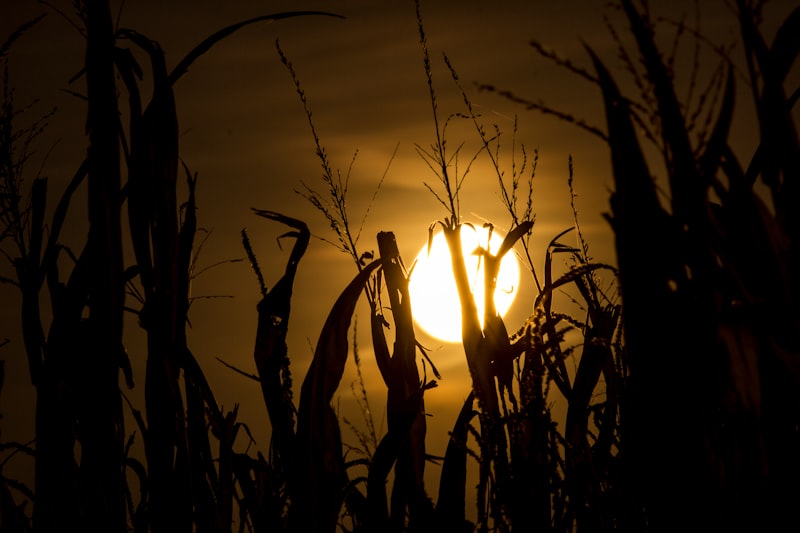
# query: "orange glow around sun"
x,y
432,289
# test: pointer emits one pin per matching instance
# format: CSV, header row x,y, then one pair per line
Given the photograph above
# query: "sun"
x,y
432,289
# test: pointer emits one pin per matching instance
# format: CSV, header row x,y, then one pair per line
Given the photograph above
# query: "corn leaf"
x,y
688,192
320,478
204,46
387,453
451,501
270,352
785,47
710,160
21,29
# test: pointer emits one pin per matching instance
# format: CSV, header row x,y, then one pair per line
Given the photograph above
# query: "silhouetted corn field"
x,y
682,407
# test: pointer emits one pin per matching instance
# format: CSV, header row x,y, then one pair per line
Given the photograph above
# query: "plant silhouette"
x,y
680,391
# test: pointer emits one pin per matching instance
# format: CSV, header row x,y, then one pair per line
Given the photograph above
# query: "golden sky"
x,y
245,133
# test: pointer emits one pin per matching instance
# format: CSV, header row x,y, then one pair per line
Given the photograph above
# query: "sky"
x,y
244,131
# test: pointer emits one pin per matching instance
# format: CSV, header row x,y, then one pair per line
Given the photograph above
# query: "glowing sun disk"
x,y
434,297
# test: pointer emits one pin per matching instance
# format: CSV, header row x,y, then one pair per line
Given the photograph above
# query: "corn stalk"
x,y
99,401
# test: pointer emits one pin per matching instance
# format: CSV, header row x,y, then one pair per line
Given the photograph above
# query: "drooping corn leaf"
x,y
205,45
18,32
270,352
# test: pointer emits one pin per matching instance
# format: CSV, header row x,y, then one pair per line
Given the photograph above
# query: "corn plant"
x,y
75,369
737,420
403,447
710,299
727,439
531,473
34,261
176,441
